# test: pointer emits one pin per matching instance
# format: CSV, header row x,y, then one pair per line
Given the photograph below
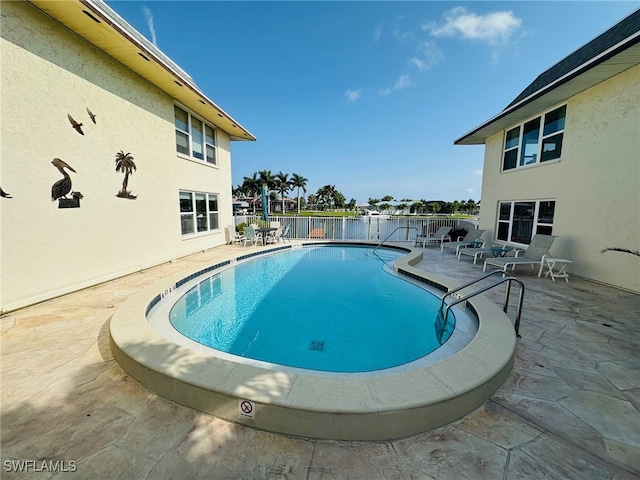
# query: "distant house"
x,y
113,158
564,158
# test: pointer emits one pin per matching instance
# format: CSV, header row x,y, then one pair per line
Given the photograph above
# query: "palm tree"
x,y
124,163
269,180
435,208
326,195
283,185
251,187
417,206
299,182
312,201
401,207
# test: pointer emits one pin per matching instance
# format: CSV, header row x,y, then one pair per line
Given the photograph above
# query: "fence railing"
x,y
362,228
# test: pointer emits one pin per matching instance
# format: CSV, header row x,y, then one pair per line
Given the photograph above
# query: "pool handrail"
x,y
394,231
505,306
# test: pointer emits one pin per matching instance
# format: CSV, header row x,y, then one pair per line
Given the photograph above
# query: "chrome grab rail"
x,y
505,306
394,231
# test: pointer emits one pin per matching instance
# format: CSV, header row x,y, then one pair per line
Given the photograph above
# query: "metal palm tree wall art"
x,y
125,163
62,188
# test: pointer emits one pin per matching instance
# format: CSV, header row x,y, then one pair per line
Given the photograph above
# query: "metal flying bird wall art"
x,y
91,115
76,125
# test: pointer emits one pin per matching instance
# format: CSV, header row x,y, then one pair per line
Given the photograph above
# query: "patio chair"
x,y
495,250
471,239
274,235
234,237
284,235
251,236
439,236
534,255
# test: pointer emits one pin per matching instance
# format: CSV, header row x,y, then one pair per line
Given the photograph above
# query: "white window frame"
x,y
188,134
200,222
535,220
541,138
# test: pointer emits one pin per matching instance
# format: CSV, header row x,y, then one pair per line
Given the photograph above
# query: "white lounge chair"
x,y
534,255
496,251
469,240
233,236
440,236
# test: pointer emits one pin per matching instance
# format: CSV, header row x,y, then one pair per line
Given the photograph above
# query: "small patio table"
x,y
550,263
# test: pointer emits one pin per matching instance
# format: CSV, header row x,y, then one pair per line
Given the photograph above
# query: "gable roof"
x,y
101,26
607,55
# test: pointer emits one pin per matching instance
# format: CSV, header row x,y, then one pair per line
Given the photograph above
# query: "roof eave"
x,y
614,61
98,24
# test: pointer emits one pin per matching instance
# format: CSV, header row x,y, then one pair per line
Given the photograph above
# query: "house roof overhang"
x,y
94,21
608,64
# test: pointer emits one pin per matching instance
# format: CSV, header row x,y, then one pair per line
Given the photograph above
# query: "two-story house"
x,y
113,160
564,159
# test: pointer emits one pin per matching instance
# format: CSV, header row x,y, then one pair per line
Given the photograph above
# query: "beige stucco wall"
x,y
596,183
48,72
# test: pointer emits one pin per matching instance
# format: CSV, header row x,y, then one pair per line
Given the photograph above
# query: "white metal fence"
x,y
362,228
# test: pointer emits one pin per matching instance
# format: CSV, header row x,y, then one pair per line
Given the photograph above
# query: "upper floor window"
x,y
538,140
194,137
519,221
198,212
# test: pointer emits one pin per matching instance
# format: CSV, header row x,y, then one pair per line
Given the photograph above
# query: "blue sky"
x,y
367,96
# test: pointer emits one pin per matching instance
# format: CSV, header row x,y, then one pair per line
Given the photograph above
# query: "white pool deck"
x,y
568,409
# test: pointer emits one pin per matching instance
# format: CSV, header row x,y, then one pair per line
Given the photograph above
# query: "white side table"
x,y
555,268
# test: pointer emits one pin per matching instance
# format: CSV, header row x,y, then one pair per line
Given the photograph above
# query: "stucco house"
x,y
564,159
113,160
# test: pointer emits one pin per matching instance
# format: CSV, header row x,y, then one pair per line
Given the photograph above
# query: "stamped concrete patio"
x,y
569,410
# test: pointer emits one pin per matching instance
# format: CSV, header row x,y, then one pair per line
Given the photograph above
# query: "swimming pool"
x,y
332,308
385,404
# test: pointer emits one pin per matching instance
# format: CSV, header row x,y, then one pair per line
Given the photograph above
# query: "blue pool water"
x,y
329,308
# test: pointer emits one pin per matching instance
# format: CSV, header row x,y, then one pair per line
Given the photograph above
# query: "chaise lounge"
x,y
470,239
440,237
534,255
495,251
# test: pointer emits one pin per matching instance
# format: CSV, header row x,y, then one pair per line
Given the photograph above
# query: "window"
x,y
538,140
198,212
194,138
519,221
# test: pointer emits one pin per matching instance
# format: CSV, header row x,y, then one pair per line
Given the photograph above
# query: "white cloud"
x,y
470,190
149,18
477,173
398,33
353,95
403,81
494,28
430,55
377,34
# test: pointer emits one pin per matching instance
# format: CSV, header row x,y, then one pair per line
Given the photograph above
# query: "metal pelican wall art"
x,y
62,187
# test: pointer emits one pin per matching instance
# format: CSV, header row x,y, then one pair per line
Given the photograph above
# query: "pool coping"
x,y
379,407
